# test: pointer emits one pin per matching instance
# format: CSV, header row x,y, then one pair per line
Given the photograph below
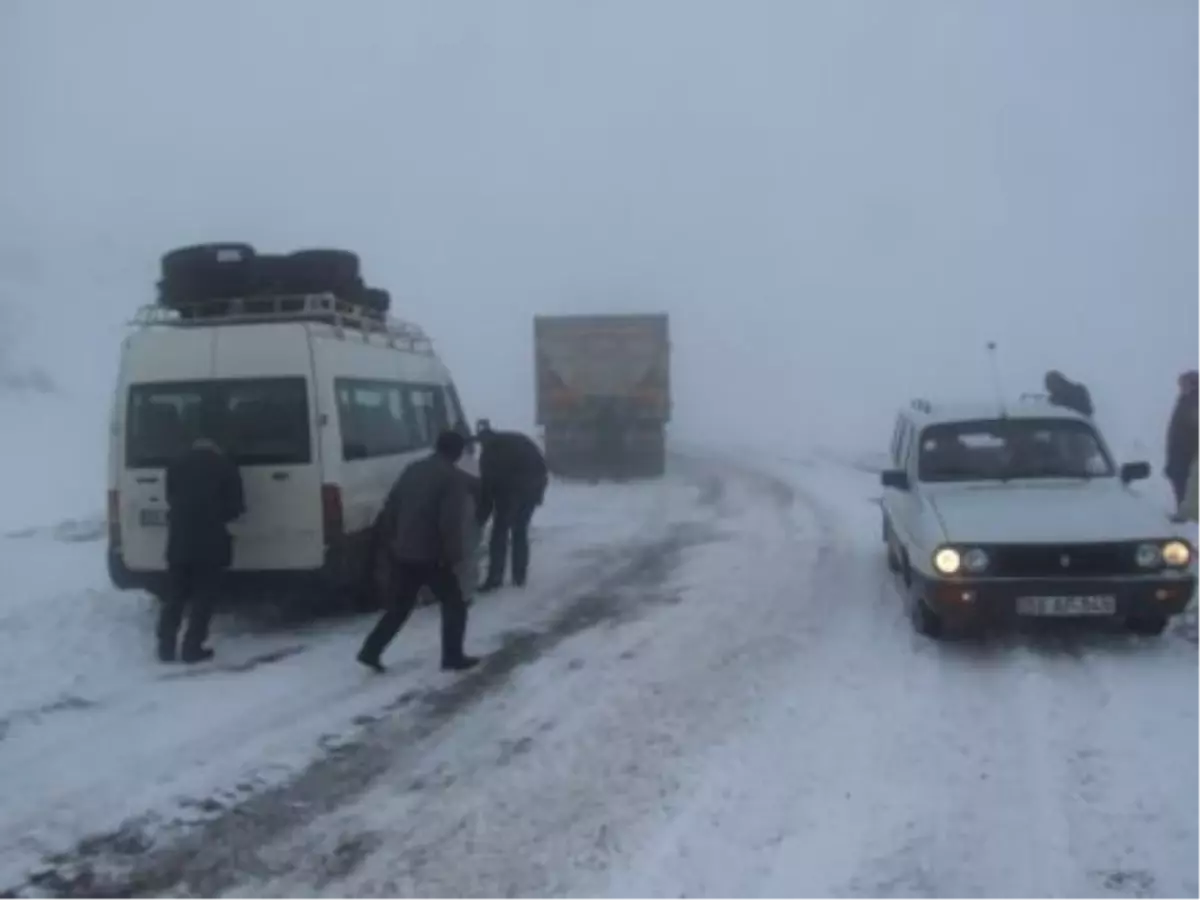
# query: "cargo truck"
x,y
603,394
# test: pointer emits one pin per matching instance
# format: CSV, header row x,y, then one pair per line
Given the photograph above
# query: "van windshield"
x,y
259,421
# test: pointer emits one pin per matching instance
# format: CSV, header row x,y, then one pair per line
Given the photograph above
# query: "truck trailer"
x,y
603,394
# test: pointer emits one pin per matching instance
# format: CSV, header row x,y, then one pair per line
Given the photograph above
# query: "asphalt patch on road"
x,y
209,858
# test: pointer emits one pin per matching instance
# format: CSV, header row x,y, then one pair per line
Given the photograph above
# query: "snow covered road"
x,y
709,689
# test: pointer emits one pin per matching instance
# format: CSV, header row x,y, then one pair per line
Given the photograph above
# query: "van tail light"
x,y
114,518
331,512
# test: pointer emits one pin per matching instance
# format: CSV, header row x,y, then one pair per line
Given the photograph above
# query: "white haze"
x,y
837,202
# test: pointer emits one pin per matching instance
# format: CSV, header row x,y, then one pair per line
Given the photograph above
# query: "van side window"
x,y
387,418
373,418
428,408
458,419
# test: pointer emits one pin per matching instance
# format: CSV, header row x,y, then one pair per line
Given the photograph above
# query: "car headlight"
x,y
1149,555
1176,553
947,560
975,560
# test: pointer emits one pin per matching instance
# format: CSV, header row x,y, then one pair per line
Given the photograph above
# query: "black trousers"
x,y
192,591
512,516
1178,485
409,578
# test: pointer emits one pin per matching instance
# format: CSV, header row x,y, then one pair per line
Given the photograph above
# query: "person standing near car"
x,y
204,494
426,545
513,479
1182,436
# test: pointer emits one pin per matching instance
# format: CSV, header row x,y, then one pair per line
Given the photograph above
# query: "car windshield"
x,y
1002,449
259,421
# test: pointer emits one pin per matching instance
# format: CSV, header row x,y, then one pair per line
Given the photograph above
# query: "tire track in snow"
x,y
902,767
780,807
211,857
587,757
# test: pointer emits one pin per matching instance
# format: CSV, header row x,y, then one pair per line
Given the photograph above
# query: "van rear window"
x,y
257,421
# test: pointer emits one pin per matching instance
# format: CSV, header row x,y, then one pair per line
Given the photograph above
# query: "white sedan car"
x,y
991,516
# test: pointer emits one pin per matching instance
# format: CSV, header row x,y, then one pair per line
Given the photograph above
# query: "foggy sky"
x,y
838,202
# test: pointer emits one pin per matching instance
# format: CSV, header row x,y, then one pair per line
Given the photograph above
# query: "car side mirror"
x,y
1135,471
894,478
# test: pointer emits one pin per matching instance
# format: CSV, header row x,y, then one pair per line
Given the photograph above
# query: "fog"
x,y
838,202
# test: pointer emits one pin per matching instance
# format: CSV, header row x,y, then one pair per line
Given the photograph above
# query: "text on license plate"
x,y
1101,605
152,518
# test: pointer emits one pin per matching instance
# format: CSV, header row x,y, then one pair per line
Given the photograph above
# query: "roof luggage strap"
x,y
324,308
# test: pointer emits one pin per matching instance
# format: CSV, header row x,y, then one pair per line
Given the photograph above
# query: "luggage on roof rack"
x,y
324,308
203,271
204,278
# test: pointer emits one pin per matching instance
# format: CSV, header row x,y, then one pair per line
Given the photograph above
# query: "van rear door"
x,y
264,426
154,420
267,407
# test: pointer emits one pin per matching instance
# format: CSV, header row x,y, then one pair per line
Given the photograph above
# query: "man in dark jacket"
x,y
1067,393
1181,435
513,479
204,494
426,509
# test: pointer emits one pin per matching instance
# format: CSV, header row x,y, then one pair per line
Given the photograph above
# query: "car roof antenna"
x,y
997,386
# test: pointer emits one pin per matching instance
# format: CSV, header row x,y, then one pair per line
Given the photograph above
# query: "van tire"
x,y
333,271
273,274
202,272
377,300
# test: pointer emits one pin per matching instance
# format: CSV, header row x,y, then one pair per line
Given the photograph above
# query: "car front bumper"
x,y
996,600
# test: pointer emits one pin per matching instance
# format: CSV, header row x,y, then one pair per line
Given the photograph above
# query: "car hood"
x,y
1046,512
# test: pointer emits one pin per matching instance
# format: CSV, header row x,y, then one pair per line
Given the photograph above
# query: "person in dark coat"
x,y
426,508
204,494
1069,394
513,478
1181,435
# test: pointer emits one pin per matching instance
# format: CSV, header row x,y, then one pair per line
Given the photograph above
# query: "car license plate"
x,y
1102,605
153,518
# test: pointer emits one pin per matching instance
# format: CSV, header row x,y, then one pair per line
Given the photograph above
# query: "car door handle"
x,y
281,476
147,479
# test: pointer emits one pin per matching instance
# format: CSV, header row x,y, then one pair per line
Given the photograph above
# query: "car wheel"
x,y
893,561
1151,626
926,621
